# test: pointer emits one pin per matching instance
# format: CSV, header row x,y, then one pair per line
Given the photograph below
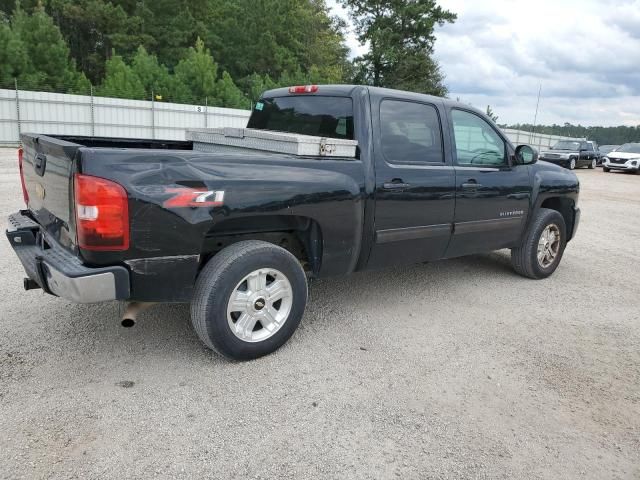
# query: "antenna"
x,y
535,117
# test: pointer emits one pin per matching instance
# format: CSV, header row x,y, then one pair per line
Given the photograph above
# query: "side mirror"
x,y
526,154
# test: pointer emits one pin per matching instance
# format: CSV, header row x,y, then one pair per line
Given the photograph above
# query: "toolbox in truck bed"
x,y
219,139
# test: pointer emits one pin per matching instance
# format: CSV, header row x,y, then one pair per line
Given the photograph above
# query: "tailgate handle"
x,y
40,164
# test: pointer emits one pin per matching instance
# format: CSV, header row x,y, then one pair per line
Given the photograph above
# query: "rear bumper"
x,y
57,271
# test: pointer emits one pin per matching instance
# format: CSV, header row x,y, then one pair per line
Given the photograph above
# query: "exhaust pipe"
x,y
131,312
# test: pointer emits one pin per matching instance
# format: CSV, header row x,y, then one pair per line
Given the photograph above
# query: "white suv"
x,y
626,158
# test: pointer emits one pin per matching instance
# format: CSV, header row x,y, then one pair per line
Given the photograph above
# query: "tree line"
x,y
220,51
602,135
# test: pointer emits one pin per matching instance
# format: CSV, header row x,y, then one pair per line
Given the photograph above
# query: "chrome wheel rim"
x,y
594,164
548,245
259,305
572,165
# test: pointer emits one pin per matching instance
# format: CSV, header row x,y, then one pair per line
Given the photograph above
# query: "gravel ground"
x,y
456,369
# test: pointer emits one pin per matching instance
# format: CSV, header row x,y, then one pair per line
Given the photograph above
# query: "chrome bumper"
x,y
58,271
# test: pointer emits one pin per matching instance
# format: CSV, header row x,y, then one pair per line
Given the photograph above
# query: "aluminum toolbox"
x,y
216,139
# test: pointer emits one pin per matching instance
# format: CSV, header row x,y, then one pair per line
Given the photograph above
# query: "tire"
x,y
525,258
593,164
572,164
227,274
606,170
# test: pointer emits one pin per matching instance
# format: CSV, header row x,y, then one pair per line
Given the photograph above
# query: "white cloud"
x,y
584,53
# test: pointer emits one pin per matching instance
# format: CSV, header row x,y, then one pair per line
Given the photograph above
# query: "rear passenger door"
x,y
414,192
493,193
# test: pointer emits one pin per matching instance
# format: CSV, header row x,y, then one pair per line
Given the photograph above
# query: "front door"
x,y
493,193
414,194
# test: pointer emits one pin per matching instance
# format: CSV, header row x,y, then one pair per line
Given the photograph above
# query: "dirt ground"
x,y
456,369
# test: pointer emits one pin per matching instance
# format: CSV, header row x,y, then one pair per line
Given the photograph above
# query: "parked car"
x,y
596,149
571,154
625,158
238,233
606,149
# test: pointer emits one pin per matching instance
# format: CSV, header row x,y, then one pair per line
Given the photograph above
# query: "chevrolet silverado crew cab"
x,y
237,232
572,153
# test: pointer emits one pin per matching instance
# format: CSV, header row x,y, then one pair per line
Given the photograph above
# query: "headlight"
x,y
564,156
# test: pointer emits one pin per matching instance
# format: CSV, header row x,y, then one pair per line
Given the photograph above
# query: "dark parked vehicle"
x,y
237,234
572,154
606,149
625,158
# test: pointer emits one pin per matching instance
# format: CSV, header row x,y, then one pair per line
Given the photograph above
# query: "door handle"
x,y
395,184
471,184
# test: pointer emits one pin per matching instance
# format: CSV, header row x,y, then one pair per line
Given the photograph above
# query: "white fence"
x,y
539,141
57,113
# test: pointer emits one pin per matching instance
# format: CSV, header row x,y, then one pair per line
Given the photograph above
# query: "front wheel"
x,y
572,164
606,170
543,246
249,299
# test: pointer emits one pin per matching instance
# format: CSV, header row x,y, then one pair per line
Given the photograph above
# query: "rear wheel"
x,y
593,164
572,164
543,247
249,299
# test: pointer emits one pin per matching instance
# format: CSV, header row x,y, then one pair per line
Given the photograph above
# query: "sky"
x,y
584,54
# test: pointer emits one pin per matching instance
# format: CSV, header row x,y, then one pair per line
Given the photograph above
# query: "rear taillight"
x,y
25,194
303,89
102,214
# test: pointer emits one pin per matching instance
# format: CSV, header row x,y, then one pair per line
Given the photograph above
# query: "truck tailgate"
x,y
47,166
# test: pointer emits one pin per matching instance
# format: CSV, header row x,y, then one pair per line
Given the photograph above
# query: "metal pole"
x,y
535,117
206,111
15,83
93,114
153,116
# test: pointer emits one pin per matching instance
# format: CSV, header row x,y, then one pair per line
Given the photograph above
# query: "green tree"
x,y
121,81
154,77
94,28
49,66
13,56
255,84
229,95
196,76
400,35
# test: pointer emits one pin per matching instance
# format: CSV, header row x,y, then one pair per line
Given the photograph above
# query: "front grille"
x,y
617,160
551,156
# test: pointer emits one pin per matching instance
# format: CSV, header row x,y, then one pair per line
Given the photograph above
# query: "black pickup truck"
x,y
238,234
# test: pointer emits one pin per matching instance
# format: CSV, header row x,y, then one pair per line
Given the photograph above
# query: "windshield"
x,y
307,115
629,148
566,145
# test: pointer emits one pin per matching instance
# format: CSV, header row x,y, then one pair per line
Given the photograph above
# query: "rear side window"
x,y
410,132
319,116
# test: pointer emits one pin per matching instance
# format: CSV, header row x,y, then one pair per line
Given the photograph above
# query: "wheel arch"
x,y
566,207
302,236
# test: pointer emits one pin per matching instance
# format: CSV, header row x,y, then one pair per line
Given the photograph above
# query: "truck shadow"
x,y
166,328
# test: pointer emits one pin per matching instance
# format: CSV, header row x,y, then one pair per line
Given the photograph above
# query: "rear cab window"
x,y
321,116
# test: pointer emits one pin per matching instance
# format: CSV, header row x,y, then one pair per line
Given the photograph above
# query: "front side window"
x,y
477,143
410,132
